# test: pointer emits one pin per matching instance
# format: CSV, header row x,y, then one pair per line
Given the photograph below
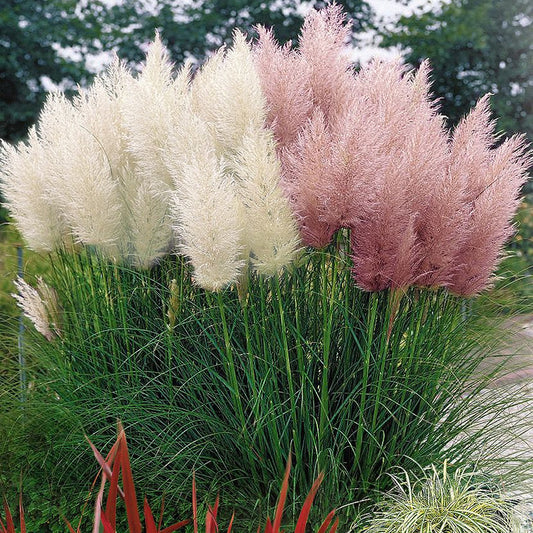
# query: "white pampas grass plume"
x,y
205,207
25,185
228,205
148,105
227,94
85,155
270,231
40,305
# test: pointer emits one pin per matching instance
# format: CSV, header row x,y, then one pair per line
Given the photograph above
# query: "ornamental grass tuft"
x,y
460,500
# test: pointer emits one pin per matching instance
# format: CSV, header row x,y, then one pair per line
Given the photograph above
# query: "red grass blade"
x,y
149,521
211,525
194,506
70,528
111,503
326,522
304,514
334,526
215,508
21,511
104,465
9,519
108,528
212,517
98,506
231,522
268,527
4,530
176,526
282,497
130,498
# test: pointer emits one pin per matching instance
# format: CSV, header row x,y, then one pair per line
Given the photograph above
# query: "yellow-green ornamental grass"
x,y
440,501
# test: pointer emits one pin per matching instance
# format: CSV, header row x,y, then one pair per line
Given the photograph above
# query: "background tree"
x,y
195,28
42,42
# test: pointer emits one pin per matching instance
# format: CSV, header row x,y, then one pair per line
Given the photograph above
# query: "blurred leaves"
x,y
34,35
190,29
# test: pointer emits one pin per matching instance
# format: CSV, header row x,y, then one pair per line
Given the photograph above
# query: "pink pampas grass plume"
x,y
317,75
492,179
307,164
306,91
285,84
398,155
322,46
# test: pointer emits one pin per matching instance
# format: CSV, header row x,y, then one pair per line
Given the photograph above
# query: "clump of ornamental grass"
x,y
460,500
186,311
305,363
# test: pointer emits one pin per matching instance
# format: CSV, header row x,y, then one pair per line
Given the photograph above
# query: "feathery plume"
x,y
88,156
230,139
317,75
323,47
306,166
286,86
490,211
227,94
270,233
147,106
25,185
40,305
385,251
205,207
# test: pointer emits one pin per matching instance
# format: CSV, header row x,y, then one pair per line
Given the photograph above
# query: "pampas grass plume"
x,y
40,305
227,94
147,106
25,184
204,208
270,233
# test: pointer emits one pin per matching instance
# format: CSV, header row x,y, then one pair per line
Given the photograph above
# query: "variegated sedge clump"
x,y
142,166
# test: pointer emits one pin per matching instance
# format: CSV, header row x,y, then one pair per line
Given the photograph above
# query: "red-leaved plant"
x,y
9,526
118,461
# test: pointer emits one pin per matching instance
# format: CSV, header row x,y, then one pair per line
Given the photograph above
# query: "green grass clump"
x,y
229,384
